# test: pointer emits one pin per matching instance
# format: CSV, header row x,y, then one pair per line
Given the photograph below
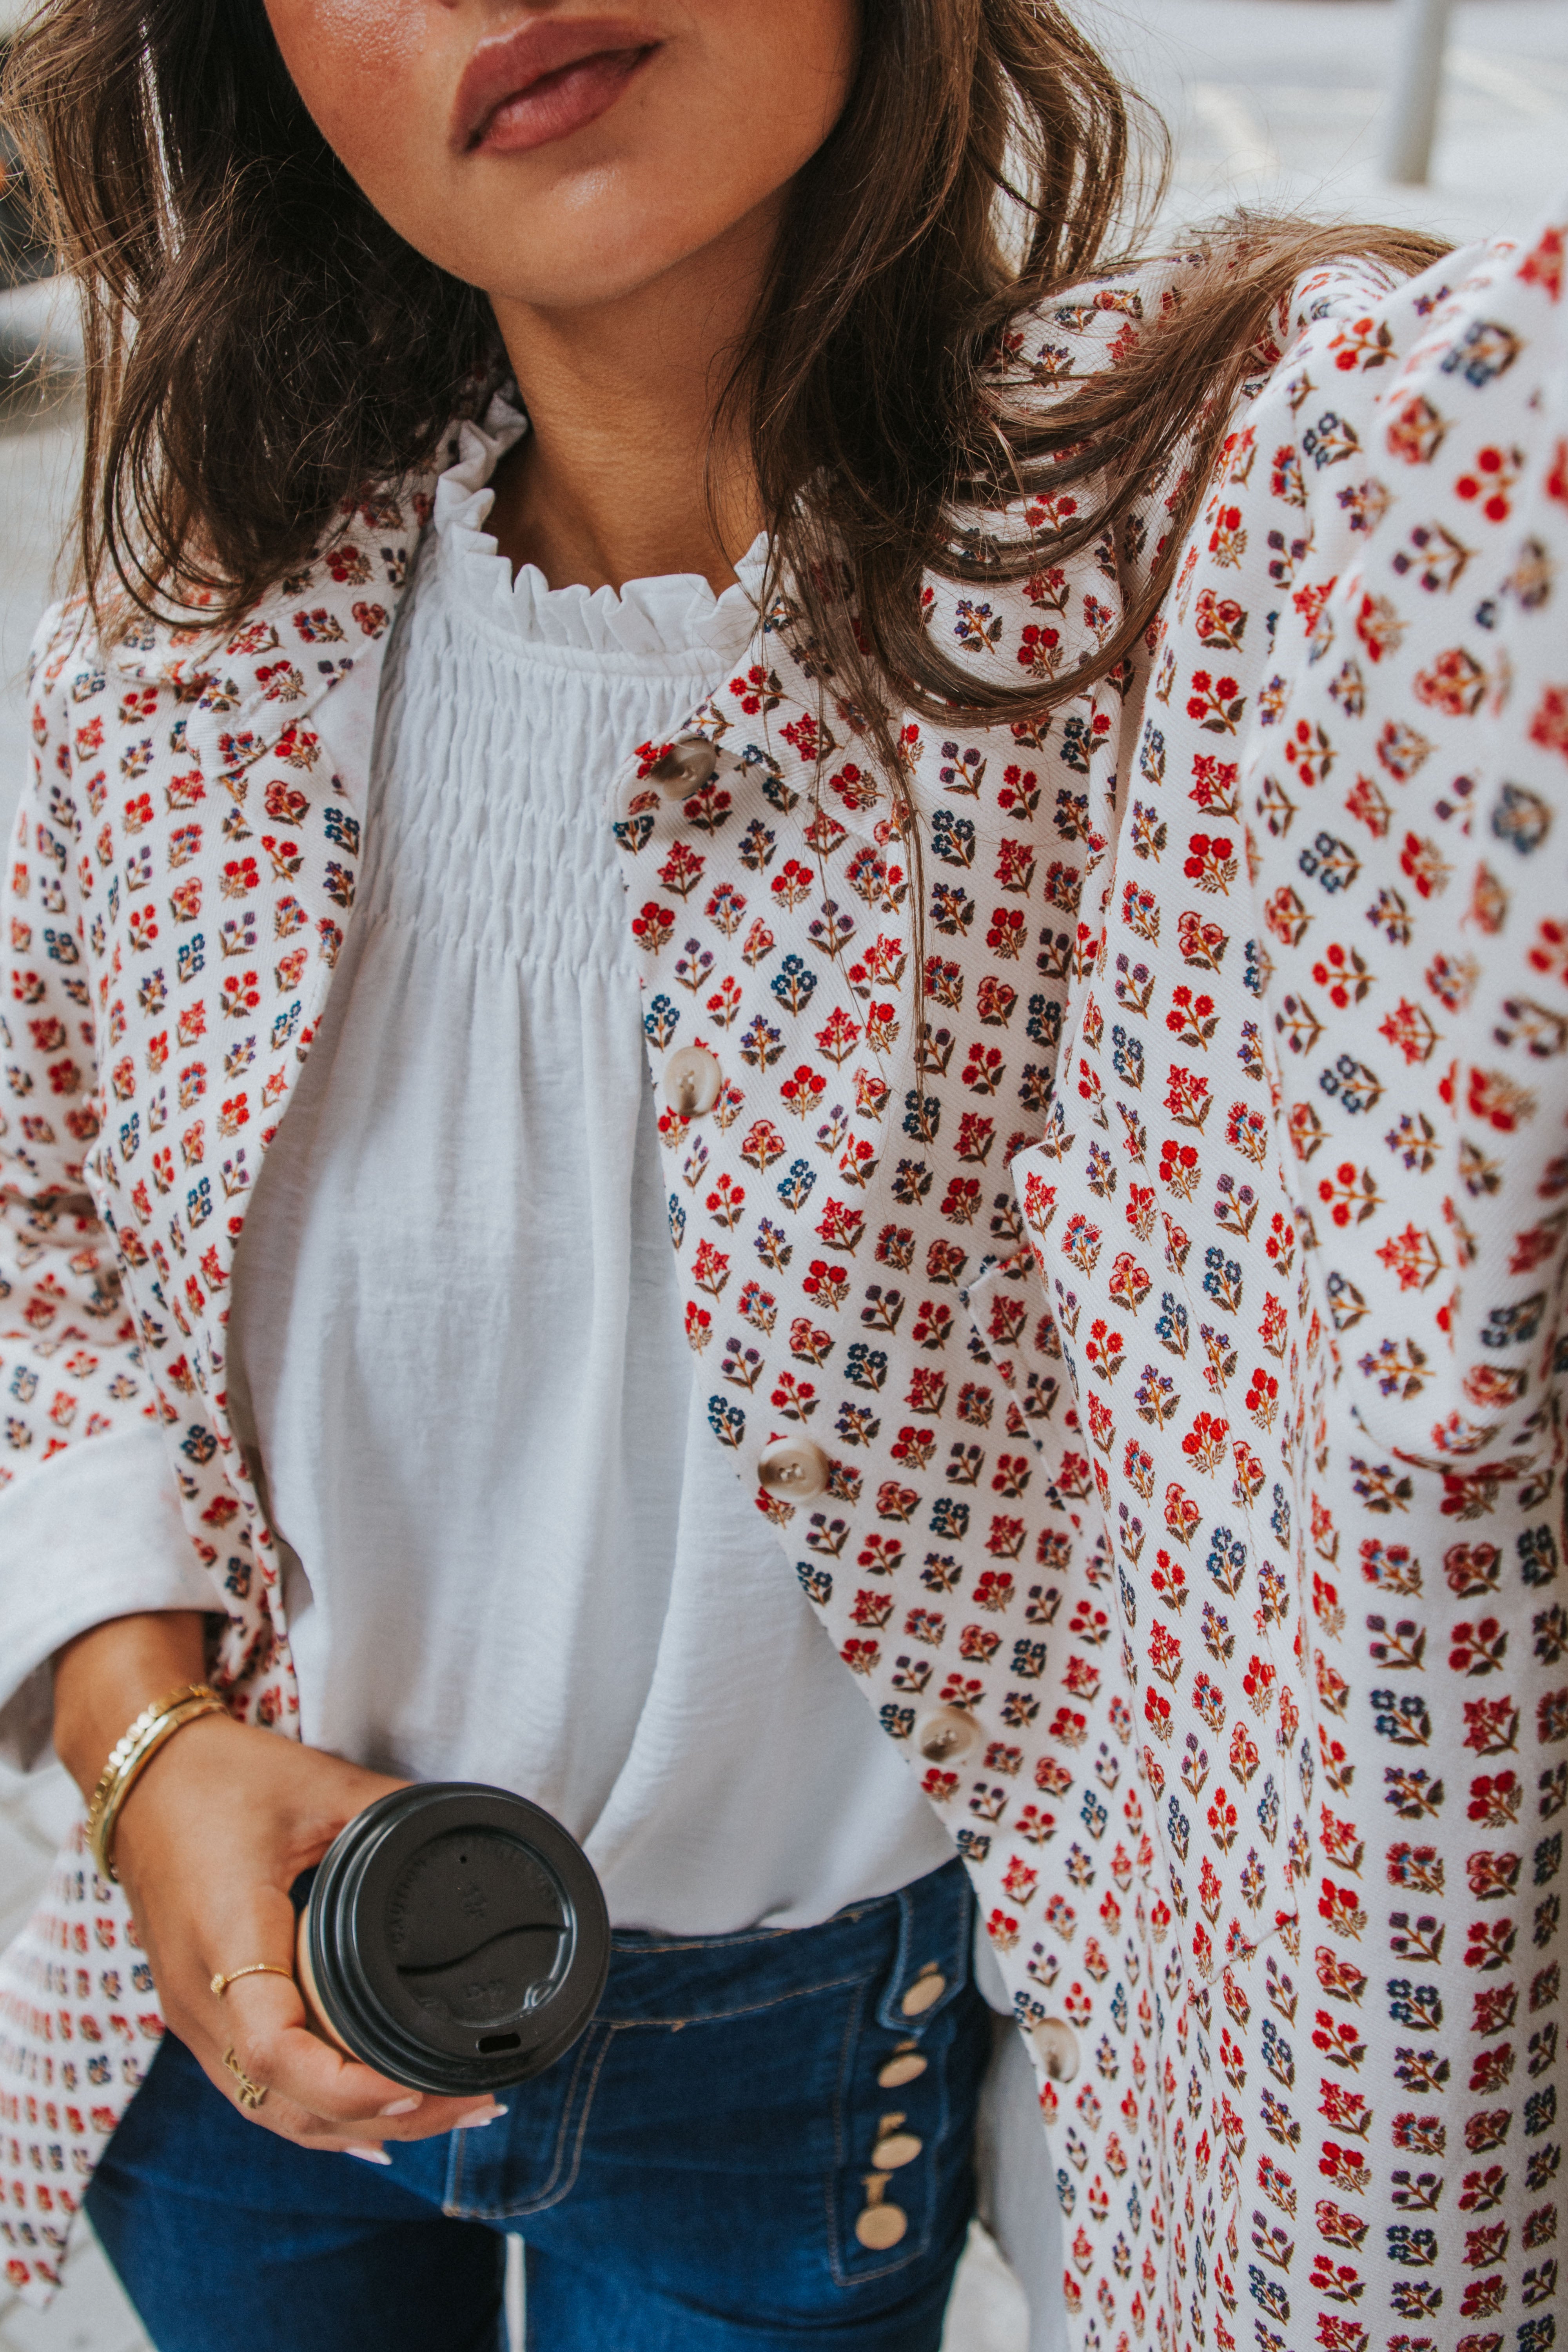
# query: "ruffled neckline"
x,y
659,623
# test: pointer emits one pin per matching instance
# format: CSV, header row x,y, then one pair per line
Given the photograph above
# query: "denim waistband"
x,y
922,1931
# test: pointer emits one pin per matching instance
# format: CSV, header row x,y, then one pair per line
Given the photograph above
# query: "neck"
x,y
623,475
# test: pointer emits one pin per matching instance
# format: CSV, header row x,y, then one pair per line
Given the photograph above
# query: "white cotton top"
x,y
519,1554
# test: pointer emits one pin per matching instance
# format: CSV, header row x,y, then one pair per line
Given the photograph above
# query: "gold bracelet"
x,y
221,1983
130,1756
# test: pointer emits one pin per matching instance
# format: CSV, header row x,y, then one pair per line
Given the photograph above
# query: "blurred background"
x,y
1299,104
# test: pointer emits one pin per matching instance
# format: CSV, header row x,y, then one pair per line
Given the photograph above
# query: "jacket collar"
x,y
247,689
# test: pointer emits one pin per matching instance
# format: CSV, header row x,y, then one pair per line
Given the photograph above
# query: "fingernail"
x,y
369,2155
479,2117
400,2107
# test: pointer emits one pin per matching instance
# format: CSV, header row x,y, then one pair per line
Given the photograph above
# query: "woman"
x,y
837,534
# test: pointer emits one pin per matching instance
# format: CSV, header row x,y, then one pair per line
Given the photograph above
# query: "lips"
x,y
544,79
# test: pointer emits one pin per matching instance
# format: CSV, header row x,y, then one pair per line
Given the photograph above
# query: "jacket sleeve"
x,y
87,1530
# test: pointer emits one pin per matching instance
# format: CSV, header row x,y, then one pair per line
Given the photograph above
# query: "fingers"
x,y
314,2093
216,1840
292,2109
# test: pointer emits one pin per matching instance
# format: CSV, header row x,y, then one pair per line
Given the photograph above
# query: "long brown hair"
x,y
262,349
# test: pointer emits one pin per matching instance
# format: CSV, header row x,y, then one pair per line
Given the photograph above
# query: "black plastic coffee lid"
x,y
458,1936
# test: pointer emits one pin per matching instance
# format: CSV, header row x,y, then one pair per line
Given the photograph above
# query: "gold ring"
x,y
251,2095
221,1983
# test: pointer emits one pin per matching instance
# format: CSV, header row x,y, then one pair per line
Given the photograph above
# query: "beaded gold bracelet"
x,y
130,1756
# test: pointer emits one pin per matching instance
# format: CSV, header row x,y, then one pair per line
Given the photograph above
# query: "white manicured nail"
x,y
369,2155
400,2107
478,2118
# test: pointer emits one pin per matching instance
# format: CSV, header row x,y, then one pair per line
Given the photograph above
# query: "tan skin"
x,y
623,254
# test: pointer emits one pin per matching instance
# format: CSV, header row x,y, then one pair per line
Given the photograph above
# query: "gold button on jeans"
x,y
880,2225
895,2149
904,2066
925,1993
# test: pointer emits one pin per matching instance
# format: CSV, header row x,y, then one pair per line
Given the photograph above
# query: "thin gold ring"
x,y
221,1983
251,2095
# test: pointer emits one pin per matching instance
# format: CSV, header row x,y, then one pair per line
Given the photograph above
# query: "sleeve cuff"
x,y
94,1534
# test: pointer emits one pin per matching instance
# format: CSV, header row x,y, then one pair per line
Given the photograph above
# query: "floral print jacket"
x,y
1146,1359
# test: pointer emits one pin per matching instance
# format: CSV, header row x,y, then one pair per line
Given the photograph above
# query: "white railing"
x,y
1418,88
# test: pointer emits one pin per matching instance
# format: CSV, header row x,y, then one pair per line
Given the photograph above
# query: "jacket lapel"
x,y
853,1258
224,875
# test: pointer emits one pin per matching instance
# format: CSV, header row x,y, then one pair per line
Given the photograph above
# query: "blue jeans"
x,y
687,2179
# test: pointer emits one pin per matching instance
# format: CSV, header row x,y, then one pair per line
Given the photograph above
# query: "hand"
x,y
208,1842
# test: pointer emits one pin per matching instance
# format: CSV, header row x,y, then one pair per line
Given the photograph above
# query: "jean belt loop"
x,y
933,1963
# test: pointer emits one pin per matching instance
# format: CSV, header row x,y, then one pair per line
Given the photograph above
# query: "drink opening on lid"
x,y
455,1937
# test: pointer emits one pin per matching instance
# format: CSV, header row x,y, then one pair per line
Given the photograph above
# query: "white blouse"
x,y
563,1589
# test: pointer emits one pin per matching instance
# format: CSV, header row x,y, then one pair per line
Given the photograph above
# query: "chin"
x,y
584,259
564,288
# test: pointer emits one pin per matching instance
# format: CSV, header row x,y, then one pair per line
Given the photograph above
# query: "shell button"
x,y
692,1080
903,2067
793,1469
1058,2045
945,1735
686,767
